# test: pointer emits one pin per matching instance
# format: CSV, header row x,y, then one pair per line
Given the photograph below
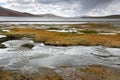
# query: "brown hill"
x,y
48,15
113,16
109,16
8,12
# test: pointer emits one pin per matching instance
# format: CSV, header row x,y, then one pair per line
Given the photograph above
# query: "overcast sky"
x,y
66,8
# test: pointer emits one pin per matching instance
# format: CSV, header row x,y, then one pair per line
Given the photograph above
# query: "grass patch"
x,y
100,27
52,28
28,46
67,39
89,31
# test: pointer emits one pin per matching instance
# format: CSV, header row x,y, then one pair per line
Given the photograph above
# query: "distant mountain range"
x,y
109,16
9,12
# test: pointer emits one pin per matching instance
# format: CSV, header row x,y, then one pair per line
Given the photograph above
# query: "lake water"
x,y
21,58
17,57
39,20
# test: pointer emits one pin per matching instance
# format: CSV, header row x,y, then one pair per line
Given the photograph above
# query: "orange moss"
x,y
98,70
65,39
102,72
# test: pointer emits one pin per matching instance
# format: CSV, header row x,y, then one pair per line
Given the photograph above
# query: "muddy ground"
x,y
92,72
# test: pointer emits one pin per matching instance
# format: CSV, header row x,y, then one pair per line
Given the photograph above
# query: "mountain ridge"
x,y
108,16
9,12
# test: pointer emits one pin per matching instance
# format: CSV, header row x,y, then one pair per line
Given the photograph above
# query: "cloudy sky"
x,y
66,8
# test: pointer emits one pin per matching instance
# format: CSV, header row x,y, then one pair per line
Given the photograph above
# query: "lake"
x,y
44,20
16,57
21,58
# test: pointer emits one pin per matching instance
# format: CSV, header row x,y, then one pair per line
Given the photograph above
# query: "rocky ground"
x,y
93,72
44,74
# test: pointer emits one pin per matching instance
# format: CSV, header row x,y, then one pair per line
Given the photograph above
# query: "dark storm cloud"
x,y
88,2
54,1
87,5
49,1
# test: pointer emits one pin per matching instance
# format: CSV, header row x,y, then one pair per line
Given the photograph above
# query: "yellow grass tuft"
x,y
68,39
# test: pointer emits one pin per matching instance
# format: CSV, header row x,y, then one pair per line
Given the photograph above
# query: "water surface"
x,y
43,20
21,58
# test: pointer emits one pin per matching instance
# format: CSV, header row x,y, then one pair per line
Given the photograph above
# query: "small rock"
x,y
2,46
28,46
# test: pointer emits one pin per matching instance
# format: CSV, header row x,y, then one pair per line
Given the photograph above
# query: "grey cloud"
x,y
87,5
53,1
66,7
48,1
41,1
21,1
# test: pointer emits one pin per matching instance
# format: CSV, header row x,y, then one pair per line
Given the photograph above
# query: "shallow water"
x,y
21,58
45,20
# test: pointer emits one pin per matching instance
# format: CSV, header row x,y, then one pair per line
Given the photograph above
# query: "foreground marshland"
x,y
60,52
85,35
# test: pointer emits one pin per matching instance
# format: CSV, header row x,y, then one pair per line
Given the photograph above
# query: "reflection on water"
x,y
17,57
